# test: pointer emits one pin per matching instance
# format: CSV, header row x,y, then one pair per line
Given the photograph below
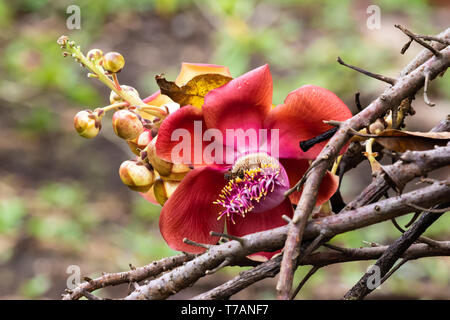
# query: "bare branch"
x,y
418,40
426,54
392,254
193,243
90,296
227,236
268,269
425,90
302,283
415,206
135,275
377,76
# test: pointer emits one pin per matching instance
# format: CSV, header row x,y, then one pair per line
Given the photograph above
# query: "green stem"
x,y
115,106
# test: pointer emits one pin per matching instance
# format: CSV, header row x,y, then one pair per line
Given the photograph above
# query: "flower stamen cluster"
x,y
241,193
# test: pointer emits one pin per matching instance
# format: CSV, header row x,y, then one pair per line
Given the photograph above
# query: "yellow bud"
x,y
163,167
127,124
136,176
87,124
141,142
115,98
113,62
179,171
164,189
94,54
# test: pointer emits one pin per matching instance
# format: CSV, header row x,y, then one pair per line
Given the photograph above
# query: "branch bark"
x,y
135,275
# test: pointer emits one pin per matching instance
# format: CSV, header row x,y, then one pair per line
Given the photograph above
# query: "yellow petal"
x,y
190,70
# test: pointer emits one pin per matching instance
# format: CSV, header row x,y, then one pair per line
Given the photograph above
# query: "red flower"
x,y
251,199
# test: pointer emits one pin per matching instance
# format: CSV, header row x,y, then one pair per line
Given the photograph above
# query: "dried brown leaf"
x,y
192,93
401,141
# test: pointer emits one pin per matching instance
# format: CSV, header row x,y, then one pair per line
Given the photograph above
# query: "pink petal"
x,y
243,103
190,212
188,121
301,118
296,169
328,187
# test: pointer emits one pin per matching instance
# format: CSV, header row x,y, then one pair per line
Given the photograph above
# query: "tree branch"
x,y
134,275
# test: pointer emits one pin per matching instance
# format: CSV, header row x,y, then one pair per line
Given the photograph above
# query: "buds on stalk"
x,y
87,124
113,62
137,176
127,124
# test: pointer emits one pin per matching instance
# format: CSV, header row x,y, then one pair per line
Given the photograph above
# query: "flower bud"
x,y
163,167
113,62
115,98
164,189
167,170
141,142
94,54
87,124
179,171
127,124
136,176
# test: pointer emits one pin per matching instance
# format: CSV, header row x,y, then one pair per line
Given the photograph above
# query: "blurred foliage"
x,y
61,201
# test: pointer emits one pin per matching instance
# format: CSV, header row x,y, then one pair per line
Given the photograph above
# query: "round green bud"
x,y
113,62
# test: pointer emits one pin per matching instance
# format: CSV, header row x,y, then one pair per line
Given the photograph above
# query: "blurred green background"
x,y
61,199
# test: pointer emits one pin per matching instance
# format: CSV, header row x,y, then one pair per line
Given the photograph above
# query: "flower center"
x,y
256,183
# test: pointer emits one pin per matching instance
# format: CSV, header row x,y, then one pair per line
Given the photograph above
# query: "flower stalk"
x,y
70,48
